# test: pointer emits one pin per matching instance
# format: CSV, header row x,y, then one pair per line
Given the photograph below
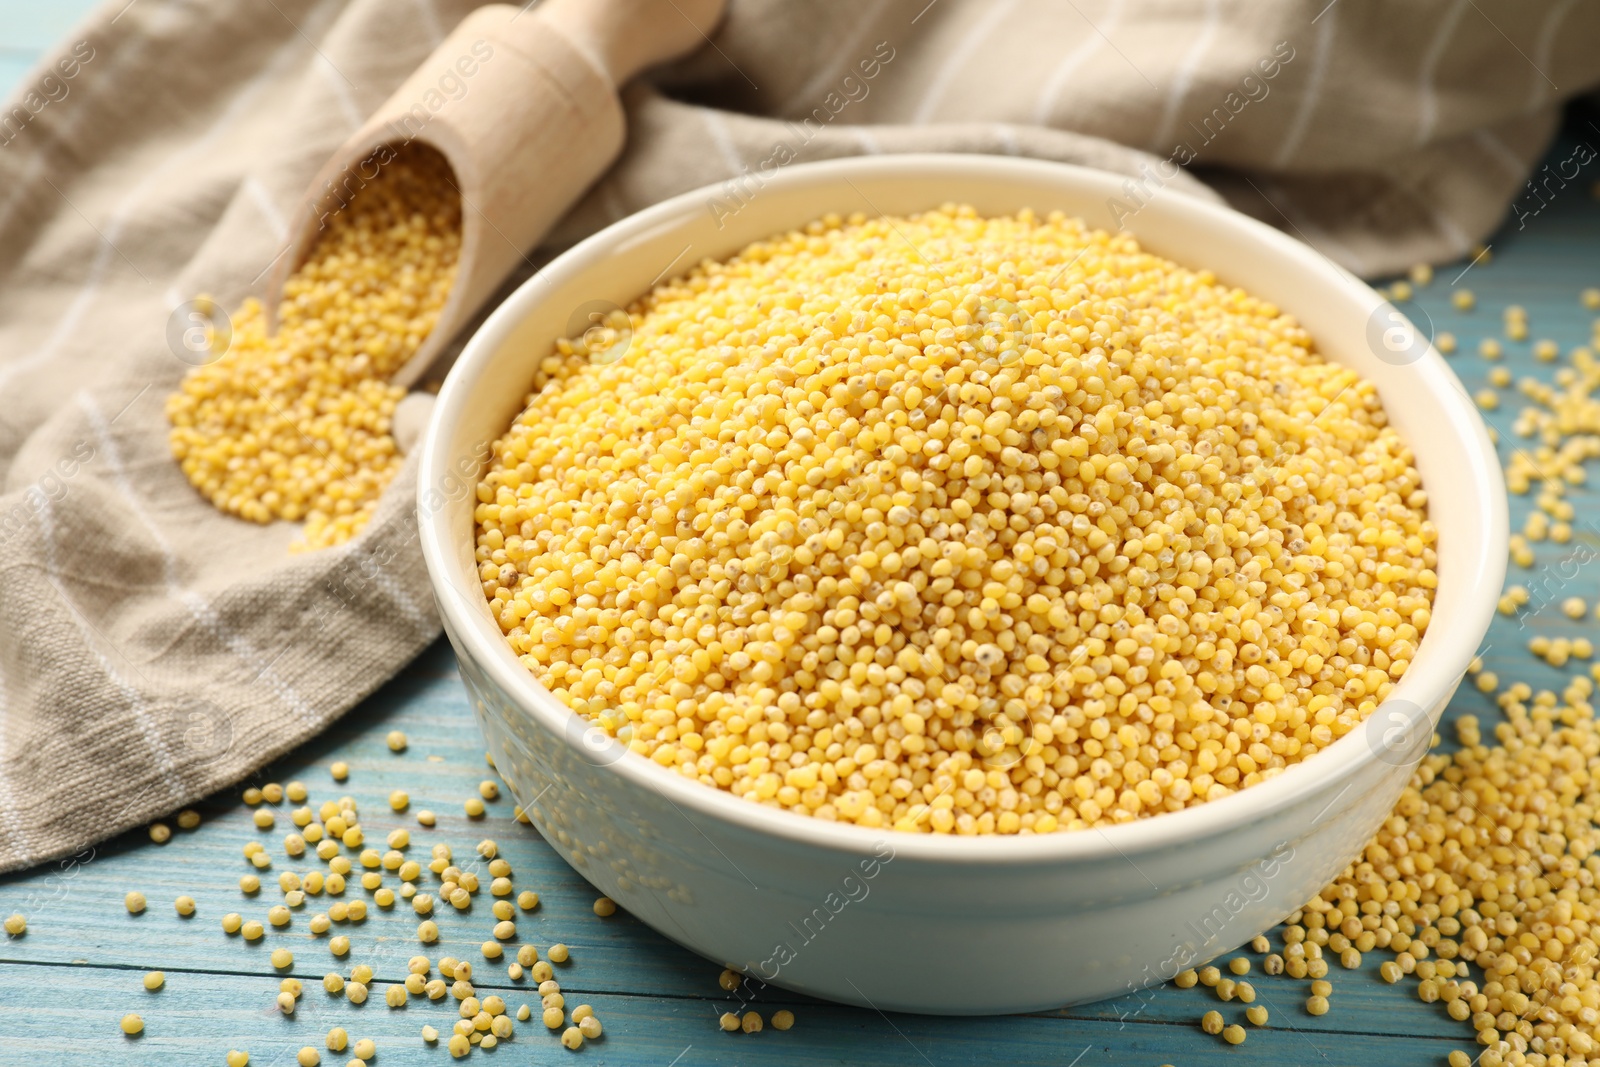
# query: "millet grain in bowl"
x,y
958,524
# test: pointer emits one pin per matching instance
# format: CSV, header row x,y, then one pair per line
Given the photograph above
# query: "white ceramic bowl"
x,y
930,923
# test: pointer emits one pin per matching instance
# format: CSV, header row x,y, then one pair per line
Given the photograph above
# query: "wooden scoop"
x,y
523,105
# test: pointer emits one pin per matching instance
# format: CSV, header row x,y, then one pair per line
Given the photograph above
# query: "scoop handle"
x,y
524,105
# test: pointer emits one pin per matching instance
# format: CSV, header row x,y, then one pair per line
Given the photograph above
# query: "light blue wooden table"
x,y
65,985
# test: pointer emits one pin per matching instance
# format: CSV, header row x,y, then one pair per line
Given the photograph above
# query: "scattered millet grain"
x,y
396,740
308,1057
1257,1014
16,924
1503,835
365,1049
252,930
238,1058
1463,299
1317,1005
782,1020
160,833
750,1022
809,450
527,900
605,907
154,980
340,771
558,953
134,902
1211,1022
282,958
295,424
132,1024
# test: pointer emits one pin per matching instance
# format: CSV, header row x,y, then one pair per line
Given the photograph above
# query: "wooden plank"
x,y
39,27
198,1016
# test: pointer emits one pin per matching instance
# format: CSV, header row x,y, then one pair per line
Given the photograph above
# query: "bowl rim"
x,y
1474,458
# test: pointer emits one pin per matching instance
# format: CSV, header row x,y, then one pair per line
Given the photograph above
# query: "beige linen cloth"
x,y
154,650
